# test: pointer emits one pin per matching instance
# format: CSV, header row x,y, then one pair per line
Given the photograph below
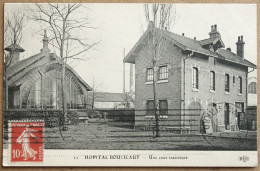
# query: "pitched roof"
x,y
14,47
232,57
20,65
207,41
108,97
212,40
189,44
183,42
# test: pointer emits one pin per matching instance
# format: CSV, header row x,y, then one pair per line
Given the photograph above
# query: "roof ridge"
x,y
182,36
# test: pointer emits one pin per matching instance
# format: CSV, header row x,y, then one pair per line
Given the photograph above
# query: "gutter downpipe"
x,y
183,89
247,88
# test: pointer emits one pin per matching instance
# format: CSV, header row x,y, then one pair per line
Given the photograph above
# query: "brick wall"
x,y
204,96
172,89
169,91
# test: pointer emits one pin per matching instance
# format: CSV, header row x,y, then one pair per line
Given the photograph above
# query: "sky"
x,y
119,26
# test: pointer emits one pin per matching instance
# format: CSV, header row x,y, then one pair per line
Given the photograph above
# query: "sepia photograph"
x,y
130,84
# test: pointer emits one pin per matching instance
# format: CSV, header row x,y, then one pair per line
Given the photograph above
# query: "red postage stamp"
x,y
27,141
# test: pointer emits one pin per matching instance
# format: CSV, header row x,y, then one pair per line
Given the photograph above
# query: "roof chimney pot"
x,y
240,47
182,34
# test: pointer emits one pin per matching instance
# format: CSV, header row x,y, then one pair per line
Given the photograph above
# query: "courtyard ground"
x,y
104,135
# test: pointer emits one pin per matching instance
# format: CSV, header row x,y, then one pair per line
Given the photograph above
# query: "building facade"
x,y
193,78
35,82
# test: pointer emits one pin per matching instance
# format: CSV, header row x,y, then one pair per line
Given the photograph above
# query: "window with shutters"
x,y
150,107
163,107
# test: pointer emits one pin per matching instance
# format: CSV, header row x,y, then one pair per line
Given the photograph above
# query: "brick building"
x,y
35,82
193,76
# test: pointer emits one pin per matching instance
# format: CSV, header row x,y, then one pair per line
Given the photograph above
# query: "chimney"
x,y
45,42
240,47
182,34
14,53
214,32
194,38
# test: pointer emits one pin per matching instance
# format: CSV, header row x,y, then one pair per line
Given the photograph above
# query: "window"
x,y
234,80
252,88
240,84
47,92
163,107
150,107
226,119
163,72
149,76
212,80
226,82
14,98
195,79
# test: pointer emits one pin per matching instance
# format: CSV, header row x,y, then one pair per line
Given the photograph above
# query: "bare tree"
x,y
13,33
95,88
160,17
128,99
67,31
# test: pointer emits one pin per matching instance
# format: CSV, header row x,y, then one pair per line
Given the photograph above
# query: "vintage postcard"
x,y
93,84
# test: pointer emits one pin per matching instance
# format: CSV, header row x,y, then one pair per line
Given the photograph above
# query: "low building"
x,y
193,76
110,101
35,82
252,91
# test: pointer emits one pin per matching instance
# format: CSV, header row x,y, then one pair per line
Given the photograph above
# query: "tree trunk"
x,y
93,100
63,81
156,114
64,104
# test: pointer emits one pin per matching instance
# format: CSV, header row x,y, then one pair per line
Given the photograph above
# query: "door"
x,y
241,119
194,118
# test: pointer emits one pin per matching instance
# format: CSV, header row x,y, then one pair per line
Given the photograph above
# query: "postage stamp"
x,y
26,141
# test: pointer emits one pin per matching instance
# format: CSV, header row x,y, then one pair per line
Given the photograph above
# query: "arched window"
x,y
226,83
252,88
212,80
46,93
195,78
